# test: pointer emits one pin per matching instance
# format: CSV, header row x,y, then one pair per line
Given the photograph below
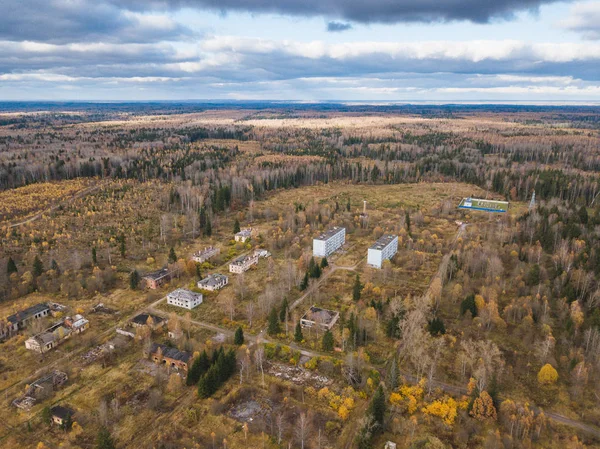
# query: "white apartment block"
x,y
329,241
205,254
384,248
243,263
213,282
184,298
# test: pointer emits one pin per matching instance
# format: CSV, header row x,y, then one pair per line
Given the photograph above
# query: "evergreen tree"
x,y
94,256
104,440
468,304
11,266
122,245
134,280
172,256
47,415
407,220
324,262
236,226
583,215
198,273
202,217
273,323
208,228
284,310
298,337
38,267
533,277
304,283
328,341
356,289
203,362
436,327
348,205
238,339
377,408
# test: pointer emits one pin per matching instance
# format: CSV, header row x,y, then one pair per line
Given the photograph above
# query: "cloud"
x,y
584,18
361,11
336,27
62,21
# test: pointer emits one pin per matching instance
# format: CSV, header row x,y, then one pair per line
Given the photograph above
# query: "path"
x,y
79,194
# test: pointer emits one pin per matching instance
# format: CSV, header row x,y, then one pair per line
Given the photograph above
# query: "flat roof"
x,y
330,233
212,279
483,205
383,241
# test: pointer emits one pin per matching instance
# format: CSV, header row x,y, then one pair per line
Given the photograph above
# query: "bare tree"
x,y
302,428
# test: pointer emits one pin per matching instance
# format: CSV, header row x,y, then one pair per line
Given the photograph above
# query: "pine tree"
x,y
38,267
377,407
134,280
238,339
304,283
11,266
284,310
273,323
104,440
203,362
348,205
122,245
328,342
468,304
236,226
356,289
172,256
94,256
198,273
324,263
298,337
208,228
407,219
436,327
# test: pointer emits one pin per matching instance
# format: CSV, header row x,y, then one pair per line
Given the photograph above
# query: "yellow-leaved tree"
x,y
547,375
483,407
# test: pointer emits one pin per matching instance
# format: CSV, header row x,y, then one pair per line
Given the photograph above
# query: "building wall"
x,y
323,248
185,303
375,257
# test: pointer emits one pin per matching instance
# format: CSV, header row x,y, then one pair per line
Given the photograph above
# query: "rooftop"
x,y
157,275
245,232
171,353
212,279
242,259
329,233
183,294
28,312
317,314
142,319
61,412
383,241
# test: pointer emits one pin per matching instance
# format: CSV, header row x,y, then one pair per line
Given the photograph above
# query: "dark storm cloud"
x,y
62,21
336,27
360,11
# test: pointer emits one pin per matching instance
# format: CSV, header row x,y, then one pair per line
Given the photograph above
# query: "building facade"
x,y
213,282
170,356
383,249
243,263
184,298
205,254
244,235
329,242
157,278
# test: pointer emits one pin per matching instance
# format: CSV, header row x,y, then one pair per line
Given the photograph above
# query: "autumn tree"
x,y
483,407
547,375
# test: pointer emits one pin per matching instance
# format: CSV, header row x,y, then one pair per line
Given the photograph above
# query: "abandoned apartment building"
x,y
323,318
172,357
383,249
243,263
213,282
24,318
244,235
157,278
205,254
329,241
184,298
56,334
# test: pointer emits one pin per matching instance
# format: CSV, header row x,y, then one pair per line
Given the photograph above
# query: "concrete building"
x,y
320,317
170,356
41,343
184,298
157,278
205,254
384,248
21,319
244,235
213,282
243,263
329,241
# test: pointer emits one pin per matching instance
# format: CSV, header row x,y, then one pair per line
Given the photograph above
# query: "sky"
x,y
304,50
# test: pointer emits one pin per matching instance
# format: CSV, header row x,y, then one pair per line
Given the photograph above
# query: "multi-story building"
x,y
244,235
329,241
205,254
243,263
213,282
184,298
157,278
384,248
